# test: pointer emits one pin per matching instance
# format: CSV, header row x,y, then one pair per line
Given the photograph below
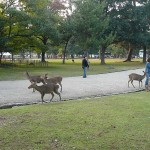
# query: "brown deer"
x,y
46,89
137,77
35,79
55,80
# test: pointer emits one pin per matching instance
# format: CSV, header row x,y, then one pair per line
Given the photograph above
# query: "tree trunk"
x,y
102,55
64,56
30,54
12,57
129,57
144,54
64,52
43,57
0,57
44,40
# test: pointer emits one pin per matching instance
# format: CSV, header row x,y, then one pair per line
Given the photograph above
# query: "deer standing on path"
x,y
55,80
35,79
137,77
46,89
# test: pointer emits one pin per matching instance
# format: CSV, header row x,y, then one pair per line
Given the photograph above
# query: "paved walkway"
x,y
17,92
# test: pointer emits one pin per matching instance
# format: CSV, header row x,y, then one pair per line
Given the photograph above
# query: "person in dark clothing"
x,y
85,65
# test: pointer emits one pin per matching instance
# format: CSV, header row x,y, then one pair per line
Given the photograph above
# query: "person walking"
x,y
147,70
85,65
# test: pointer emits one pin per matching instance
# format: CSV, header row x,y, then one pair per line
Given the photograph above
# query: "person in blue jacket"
x,y
147,70
85,65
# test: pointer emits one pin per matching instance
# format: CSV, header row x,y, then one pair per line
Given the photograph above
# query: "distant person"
x,y
85,65
147,70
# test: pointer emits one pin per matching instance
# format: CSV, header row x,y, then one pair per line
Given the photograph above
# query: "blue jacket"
x,y
147,68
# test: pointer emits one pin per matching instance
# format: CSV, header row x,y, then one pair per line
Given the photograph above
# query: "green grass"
x,y
108,123
56,67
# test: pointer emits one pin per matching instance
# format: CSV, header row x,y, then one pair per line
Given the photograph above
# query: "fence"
x,y
25,62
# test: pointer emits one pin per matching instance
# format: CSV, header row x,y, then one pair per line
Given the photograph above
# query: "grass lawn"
x,y
56,67
119,122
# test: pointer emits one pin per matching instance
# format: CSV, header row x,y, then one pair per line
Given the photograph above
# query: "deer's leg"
x,y
128,82
59,96
33,89
60,86
52,96
56,91
132,83
141,83
42,96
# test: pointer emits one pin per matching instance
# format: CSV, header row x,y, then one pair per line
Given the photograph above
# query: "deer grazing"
x,y
35,79
137,77
46,89
54,80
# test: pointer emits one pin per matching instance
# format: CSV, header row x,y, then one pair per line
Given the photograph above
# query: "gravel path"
x,y
17,92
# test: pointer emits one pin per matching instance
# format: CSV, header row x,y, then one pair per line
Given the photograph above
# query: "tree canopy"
x,y
75,26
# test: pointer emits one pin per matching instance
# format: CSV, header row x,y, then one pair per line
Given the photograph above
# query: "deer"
x,y
55,80
137,77
35,79
46,89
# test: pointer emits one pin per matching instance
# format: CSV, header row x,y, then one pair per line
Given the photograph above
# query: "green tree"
x,y
92,26
44,22
6,24
15,27
129,20
3,37
66,30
